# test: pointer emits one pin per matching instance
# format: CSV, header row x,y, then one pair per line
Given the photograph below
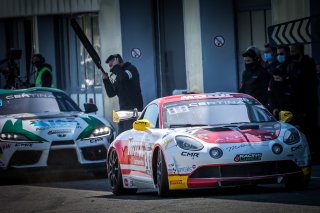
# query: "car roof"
x,y
200,96
33,89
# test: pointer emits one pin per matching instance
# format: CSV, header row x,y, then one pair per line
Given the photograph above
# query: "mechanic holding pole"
x,y
126,86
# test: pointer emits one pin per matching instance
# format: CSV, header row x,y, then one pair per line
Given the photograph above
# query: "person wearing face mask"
x,y
270,57
126,86
43,71
255,78
283,54
303,79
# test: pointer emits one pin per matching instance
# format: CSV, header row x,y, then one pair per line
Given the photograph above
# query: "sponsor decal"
x,y
166,142
136,149
178,182
54,123
61,135
187,169
30,95
95,140
138,162
248,157
235,147
190,154
23,145
192,97
171,168
296,148
171,165
60,131
172,171
10,127
4,146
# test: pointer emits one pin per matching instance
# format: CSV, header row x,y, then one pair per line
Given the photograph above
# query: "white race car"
x,y
44,127
195,141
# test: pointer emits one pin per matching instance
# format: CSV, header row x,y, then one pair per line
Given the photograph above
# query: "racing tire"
x,y
115,176
162,176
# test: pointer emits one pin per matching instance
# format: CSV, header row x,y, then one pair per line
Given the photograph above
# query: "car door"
x,y
140,148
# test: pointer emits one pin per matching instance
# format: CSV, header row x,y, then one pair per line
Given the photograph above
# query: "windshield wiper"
x,y
186,125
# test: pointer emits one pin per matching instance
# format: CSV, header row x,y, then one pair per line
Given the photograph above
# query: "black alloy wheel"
x,y
162,176
115,176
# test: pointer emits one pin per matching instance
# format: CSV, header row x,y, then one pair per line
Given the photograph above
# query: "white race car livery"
x,y
43,127
212,140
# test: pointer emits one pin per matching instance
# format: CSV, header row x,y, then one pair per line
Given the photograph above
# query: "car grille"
x,y
56,143
246,170
23,158
94,153
63,158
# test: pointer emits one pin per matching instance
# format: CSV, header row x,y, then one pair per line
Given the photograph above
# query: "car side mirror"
x,y
141,125
90,107
285,116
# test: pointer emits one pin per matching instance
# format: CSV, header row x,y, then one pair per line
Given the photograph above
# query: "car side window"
x,y
151,113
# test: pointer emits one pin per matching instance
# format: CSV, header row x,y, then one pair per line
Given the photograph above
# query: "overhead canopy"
x,y
18,8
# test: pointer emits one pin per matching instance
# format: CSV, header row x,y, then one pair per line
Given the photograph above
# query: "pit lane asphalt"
x,y
84,193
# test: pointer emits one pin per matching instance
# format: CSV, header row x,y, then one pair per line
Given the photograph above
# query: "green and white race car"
x,y
43,128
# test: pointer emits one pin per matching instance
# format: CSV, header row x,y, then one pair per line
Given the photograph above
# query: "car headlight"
x,y
13,137
291,136
188,143
102,131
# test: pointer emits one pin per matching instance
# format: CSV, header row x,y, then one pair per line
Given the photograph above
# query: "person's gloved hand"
x,y
105,76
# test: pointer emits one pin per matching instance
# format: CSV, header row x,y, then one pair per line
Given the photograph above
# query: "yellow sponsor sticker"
x,y
306,170
178,182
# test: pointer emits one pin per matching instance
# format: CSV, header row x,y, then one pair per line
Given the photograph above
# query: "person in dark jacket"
x,y
280,91
126,86
255,79
44,71
270,57
303,79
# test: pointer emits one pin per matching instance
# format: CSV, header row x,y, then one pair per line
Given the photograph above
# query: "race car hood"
x,y
51,126
237,133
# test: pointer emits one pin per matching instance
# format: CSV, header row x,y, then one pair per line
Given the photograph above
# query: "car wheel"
x,y
162,176
115,175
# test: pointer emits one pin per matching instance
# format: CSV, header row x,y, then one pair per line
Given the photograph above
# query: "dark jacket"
x,y
255,82
126,86
303,80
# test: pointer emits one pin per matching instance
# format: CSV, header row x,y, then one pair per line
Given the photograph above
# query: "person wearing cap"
x,y
43,71
255,79
126,86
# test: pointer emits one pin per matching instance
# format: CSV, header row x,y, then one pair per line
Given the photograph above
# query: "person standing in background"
x,y
255,79
43,71
126,86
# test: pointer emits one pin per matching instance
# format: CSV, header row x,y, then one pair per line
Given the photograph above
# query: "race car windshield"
x,y
36,102
215,112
